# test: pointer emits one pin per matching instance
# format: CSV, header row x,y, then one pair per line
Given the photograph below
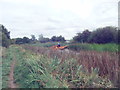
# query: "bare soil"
x,y
11,83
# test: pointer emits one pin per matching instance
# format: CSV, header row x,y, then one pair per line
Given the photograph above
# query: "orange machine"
x,y
59,48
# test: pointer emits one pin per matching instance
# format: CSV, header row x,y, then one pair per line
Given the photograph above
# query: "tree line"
x,y
103,35
108,34
6,40
41,39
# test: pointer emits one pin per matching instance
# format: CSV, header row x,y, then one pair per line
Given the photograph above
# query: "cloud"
x,y
56,17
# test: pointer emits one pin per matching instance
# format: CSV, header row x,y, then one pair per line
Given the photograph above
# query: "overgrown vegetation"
x,y
49,44
94,47
108,34
55,69
39,66
111,47
5,40
7,58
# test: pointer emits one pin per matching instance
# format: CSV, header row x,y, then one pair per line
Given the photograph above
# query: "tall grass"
x,y
110,47
39,67
48,44
7,58
39,71
106,62
94,47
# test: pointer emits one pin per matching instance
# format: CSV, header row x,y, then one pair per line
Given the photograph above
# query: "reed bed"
x,y
105,62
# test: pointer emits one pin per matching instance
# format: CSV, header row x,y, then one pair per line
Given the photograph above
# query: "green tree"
x,y
22,40
6,41
40,37
43,39
13,41
33,37
53,38
82,37
58,39
118,37
19,41
26,40
104,35
61,39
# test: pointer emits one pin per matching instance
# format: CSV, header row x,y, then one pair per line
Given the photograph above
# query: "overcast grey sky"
x,y
56,17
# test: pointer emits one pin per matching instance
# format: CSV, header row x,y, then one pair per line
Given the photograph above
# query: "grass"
x,y
94,47
110,47
48,44
39,67
2,50
32,74
107,62
38,72
7,58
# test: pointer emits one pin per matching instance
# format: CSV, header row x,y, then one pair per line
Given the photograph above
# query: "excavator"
x,y
59,48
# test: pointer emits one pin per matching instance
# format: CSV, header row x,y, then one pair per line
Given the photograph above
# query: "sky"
x,y
56,17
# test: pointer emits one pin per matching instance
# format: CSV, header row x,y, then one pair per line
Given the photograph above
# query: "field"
x,y
80,66
84,46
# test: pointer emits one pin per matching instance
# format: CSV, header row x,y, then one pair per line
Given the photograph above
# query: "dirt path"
x,y
11,83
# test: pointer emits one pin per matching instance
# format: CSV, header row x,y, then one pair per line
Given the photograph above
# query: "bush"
x,y
5,39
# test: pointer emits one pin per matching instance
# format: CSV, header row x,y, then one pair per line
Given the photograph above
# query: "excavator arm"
x,y
59,48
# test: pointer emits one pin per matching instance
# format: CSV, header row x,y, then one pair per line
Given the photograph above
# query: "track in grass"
x,y
11,83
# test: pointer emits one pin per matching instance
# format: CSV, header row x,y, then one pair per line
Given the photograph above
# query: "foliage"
x,y
23,40
13,41
58,39
44,40
110,47
39,67
94,47
105,61
40,37
42,72
118,36
5,36
7,58
48,44
103,35
82,37
32,74
33,38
